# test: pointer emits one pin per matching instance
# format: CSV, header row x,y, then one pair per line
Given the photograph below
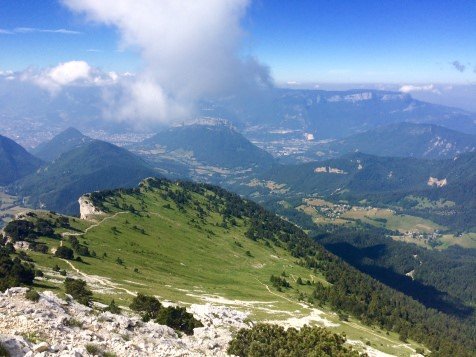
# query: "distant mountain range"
x,y
93,166
401,140
65,141
79,164
325,114
334,114
216,152
15,161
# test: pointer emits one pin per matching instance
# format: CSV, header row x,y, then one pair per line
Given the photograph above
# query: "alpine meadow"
x,y
245,178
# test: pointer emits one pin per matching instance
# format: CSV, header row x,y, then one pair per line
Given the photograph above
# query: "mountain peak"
x,y
214,143
63,142
71,131
97,165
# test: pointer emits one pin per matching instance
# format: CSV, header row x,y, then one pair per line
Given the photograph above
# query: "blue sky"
x,y
342,41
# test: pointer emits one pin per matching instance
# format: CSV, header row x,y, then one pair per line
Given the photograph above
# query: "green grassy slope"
x,y
178,248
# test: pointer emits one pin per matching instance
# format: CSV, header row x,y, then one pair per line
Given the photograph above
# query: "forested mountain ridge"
x,y
15,161
217,144
93,166
402,140
65,141
361,174
388,181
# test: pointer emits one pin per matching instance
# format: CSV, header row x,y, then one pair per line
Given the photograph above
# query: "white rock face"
x,y
389,97
87,209
351,98
21,245
55,327
433,181
330,170
309,136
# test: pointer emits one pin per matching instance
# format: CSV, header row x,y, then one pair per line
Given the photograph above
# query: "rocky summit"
x,y
61,327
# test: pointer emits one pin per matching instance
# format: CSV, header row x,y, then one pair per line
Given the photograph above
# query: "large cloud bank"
x,y
190,51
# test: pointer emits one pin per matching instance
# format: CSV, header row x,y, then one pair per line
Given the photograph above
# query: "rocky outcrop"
x,y
330,170
433,181
57,327
86,208
21,245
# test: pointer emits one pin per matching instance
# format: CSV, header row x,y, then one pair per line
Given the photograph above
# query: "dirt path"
x,y
362,328
347,323
165,218
70,234
278,295
98,279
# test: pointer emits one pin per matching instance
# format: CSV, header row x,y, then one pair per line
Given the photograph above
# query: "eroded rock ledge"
x,y
57,327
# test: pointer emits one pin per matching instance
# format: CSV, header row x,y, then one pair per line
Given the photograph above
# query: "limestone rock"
x,y
64,328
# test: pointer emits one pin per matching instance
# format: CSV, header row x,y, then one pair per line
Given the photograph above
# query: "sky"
x,y
315,41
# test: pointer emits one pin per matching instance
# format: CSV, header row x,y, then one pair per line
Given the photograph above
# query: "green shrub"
x,y
279,282
32,295
113,308
39,247
3,351
9,247
64,252
73,323
13,272
79,248
175,317
93,350
20,230
420,350
147,306
23,256
178,318
272,340
78,290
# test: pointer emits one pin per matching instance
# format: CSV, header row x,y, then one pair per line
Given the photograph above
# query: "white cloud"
x,y
408,88
73,73
34,29
5,73
190,50
68,72
144,99
24,30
